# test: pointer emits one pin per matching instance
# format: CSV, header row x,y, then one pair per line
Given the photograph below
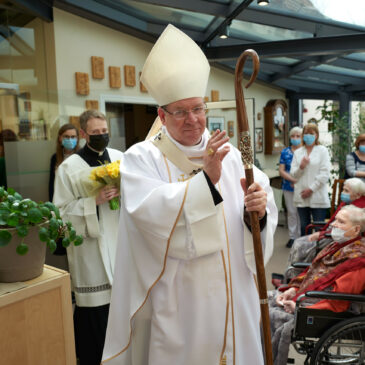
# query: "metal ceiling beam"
x,y
353,88
268,16
303,66
341,78
234,12
36,8
348,63
293,48
296,84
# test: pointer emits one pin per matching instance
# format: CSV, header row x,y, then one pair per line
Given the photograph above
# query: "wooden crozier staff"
x,y
247,159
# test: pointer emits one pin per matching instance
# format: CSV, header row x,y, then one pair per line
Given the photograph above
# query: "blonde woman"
x,y
286,157
311,168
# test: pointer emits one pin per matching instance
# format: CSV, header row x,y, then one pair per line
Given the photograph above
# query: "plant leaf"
x,y
22,231
35,215
72,234
5,237
22,249
65,242
78,240
13,220
52,245
43,234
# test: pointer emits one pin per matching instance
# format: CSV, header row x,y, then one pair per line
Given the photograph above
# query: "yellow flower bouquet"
x,y
108,174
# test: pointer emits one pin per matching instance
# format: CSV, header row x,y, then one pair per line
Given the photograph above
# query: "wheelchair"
x,y
326,337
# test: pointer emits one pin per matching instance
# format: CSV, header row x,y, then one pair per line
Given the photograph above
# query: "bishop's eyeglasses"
x,y
182,114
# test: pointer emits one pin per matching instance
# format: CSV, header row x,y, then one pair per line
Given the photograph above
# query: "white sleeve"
x,y
80,211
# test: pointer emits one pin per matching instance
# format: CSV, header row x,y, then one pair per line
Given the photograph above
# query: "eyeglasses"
x,y
69,137
182,114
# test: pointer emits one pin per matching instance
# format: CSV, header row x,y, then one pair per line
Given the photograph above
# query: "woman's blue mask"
x,y
362,148
309,139
69,143
345,197
296,141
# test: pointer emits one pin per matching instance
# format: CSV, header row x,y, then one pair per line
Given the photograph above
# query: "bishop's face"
x,y
187,129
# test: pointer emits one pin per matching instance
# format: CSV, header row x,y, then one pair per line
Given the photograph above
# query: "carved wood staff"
x,y
247,159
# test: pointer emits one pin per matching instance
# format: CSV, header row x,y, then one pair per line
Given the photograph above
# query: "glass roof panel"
x,y
356,56
161,14
350,12
264,33
282,61
340,70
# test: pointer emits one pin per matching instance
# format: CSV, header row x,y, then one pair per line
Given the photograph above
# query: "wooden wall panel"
x,y
97,67
115,81
82,83
129,76
142,88
92,104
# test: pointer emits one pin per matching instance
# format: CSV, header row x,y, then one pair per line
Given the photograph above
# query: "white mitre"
x,y
176,68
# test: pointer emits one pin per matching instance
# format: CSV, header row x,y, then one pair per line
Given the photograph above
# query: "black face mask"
x,y
98,142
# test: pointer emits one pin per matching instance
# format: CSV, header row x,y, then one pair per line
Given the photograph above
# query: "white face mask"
x,y
338,235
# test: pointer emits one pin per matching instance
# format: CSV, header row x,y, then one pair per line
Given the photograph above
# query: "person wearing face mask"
x,y
339,267
305,248
311,168
92,263
355,161
286,157
67,144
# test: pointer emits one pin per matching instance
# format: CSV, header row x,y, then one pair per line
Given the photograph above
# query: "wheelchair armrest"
x,y
335,296
319,223
301,265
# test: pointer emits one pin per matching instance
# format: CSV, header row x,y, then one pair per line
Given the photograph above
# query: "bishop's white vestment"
x,y
92,263
184,292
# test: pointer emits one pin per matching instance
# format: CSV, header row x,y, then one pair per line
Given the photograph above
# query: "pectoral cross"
x,y
183,178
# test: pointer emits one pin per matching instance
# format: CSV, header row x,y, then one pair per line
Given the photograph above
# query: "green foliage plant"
x,y
22,214
343,136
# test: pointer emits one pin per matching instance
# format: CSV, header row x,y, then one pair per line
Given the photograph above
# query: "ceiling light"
x,y
225,33
263,2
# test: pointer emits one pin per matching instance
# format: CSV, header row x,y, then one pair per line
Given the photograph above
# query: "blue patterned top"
x,y
286,158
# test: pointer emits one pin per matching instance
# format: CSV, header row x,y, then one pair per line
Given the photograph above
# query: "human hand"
x,y
306,193
213,156
255,198
105,194
313,237
304,162
289,306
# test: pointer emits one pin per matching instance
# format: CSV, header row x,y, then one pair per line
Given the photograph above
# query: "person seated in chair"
x,y
305,248
339,267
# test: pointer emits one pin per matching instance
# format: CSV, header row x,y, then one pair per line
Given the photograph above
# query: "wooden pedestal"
x,y
36,321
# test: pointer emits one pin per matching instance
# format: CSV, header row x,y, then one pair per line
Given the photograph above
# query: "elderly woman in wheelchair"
x,y
305,248
338,268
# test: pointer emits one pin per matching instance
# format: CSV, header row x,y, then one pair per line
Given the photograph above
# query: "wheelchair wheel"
x,y
344,343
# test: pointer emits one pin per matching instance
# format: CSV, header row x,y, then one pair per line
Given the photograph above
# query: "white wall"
x,y
77,39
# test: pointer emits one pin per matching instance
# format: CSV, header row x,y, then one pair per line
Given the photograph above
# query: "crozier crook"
x,y
247,159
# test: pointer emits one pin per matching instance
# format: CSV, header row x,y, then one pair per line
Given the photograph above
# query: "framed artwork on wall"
x,y
259,140
215,123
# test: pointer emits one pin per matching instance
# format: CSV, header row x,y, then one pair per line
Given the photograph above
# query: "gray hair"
x,y
356,215
295,130
356,185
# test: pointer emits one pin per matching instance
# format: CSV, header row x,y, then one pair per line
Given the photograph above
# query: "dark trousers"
x,y
318,214
90,329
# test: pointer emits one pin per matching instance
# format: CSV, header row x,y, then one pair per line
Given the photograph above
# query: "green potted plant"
x,y
26,229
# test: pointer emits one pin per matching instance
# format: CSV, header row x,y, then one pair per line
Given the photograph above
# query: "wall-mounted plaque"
x,y
129,75
82,83
215,95
97,67
75,120
92,104
115,81
142,88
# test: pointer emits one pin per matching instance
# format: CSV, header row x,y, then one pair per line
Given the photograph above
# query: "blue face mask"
x,y
345,198
362,149
295,141
69,143
309,139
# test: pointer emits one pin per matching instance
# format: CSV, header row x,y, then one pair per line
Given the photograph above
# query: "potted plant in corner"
x,y
26,228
